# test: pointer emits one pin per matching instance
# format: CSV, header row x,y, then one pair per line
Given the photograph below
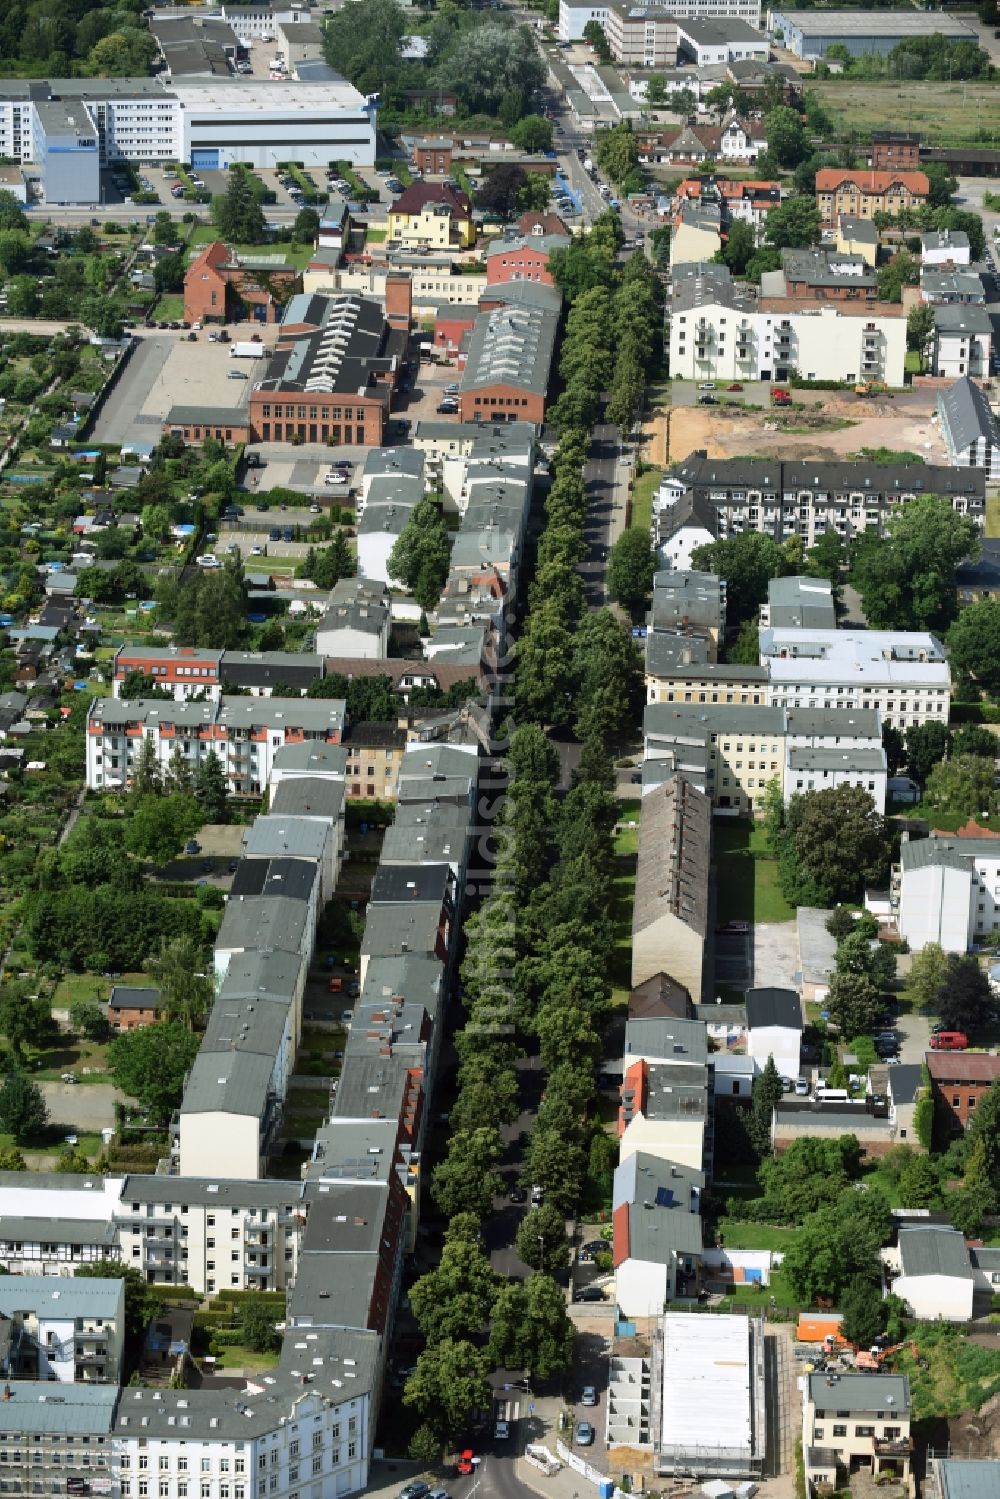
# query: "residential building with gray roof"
x,y
969,428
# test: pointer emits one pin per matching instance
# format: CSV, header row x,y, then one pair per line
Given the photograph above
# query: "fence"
x,y
585,1470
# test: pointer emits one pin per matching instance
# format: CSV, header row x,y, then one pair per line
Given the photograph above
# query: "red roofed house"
x,y
453,322
959,1080
433,214
534,223
664,1107
522,259
863,194
221,286
656,1248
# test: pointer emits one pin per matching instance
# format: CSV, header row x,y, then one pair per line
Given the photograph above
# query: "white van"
x,y
823,1094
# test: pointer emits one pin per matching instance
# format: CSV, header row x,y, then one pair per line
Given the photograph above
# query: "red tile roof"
x,y
828,179
416,197
963,1066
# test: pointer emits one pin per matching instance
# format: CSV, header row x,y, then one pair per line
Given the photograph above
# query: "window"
x,y
864,1431
839,1430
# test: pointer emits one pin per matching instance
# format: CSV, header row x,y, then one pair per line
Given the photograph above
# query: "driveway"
x,y
775,955
914,1037
81,1107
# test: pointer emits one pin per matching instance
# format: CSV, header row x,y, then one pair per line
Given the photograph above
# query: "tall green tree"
x,y
238,214
422,553
630,570
211,790
767,1093
907,578
747,562
23,1113
974,643
531,1328
151,1064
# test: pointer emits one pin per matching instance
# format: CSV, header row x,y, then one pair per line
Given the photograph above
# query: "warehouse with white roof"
x,y
713,1412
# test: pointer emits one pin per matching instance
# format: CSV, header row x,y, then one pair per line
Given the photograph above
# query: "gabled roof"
x,y
934,1251
773,1007
415,198
967,414
829,179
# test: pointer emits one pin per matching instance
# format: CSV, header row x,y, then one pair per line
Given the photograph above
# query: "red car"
x,y
735,386
468,1461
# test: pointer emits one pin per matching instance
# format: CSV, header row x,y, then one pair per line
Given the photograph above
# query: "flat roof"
x,y
860,1392
708,1380
32,1406
873,23
62,1297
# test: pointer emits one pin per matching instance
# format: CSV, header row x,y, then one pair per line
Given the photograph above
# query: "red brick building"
x,y
333,373
434,157
130,1008
221,286
959,1080
453,321
522,259
895,149
195,423
533,223
506,375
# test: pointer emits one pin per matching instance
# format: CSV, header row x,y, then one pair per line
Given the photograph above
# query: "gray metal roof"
x,y
860,1392
773,1007
207,1191
228,1082
31,1406
61,1296
962,317
727,719
511,346
292,837
801,603
263,921
939,853
134,997
834,723
967,414
307,755
854,759
308,796
675,829
967,1478
668,1037
70,1230
934,1251
905,1081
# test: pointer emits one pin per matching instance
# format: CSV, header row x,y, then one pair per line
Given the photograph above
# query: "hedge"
x,y
262,1298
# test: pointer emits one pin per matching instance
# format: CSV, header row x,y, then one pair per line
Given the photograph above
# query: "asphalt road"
x,y
599,480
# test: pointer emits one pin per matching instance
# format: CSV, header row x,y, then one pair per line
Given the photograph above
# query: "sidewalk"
x,y
539,1425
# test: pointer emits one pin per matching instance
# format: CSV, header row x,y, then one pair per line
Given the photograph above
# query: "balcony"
x,y
258,1270
256,1233
893,1446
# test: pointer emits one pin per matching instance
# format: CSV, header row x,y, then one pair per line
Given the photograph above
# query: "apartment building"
x,y
665,1113
57,1439
211,1233
863,194
506,375
904,676
799,603
656,1244
707,43
223,285
643,36
947,890
432,215
807,498
856,1423
374,755
741,748
963,341
670,916
969,428
719,332
244,733
522,259
357,620
66,1331
959,1082
188,671
574,14
895,149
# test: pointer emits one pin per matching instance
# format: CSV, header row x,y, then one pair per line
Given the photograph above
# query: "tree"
x,y
975,739
747,562
489,61
857,952
89,1019
186,990
794,224
533,133
159,826
211,791
238,214
926,746
739,248
617,152
983,1137
966,1001
363,44
836,842
928,975
466,1180
450,1381
974,643
767,1092
531,1328
835,1244
556,1163
22,297
895,749
594,33
786,139
327,565
656,90
24,1018
12,215
630,570
920,327
541,1239
454,1300
151,1064
902,270
861,1308
500,191
854,1003
963,786
22,1108
257,1325
907,578
306,226
422,553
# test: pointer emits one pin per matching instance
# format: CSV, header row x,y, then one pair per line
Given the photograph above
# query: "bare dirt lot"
x,y
824,425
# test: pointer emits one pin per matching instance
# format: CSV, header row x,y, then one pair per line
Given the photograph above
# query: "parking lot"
x,y
420,404
288,469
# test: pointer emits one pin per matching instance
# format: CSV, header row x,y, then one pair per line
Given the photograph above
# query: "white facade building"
x,y
963,339
947,890
774,1029
905,676
573,16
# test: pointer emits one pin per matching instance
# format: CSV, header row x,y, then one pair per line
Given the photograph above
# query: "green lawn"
x,y
993,515
748,888
739,1235
90,986
170,309
642,499
941,113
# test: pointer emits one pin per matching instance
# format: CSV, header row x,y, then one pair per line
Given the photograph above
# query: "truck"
x,y
780,396
245,350
588,163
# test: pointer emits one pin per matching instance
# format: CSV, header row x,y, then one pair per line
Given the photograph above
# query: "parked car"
x,y
415,1489
735,386
584,1434
707,400
501,1431
466,1463
192,846
517,1194
707,385
335,476
589,1293
588,1395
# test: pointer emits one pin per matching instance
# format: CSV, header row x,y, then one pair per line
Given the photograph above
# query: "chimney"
x,y
398,299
